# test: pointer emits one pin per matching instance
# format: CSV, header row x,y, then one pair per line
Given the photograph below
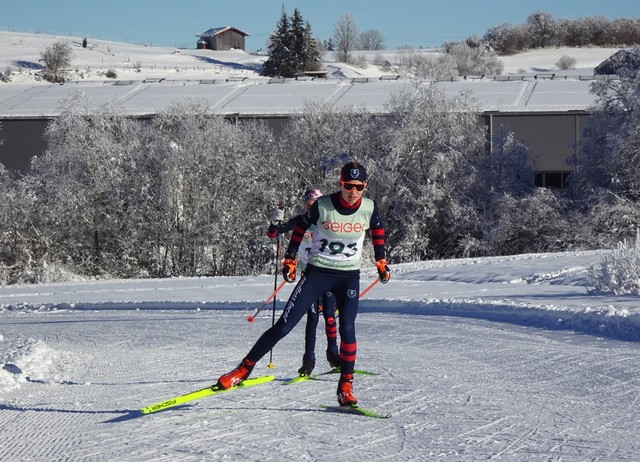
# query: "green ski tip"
x,y
336,370
300,378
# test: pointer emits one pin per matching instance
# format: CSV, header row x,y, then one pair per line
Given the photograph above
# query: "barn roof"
x,y
219,30
283,97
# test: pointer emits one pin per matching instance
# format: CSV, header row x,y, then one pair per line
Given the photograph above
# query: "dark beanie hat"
x,y
353,171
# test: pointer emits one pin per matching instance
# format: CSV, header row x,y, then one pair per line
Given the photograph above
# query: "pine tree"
x,y
298,45
279,41
293,48
312,53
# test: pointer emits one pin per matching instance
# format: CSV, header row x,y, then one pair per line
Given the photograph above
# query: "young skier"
x,y
326,304
341,220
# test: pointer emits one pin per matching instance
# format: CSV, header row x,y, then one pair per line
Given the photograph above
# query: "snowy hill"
x,y
20,55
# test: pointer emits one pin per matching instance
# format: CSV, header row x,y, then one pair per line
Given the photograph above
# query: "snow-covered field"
x,y
504,358
20,55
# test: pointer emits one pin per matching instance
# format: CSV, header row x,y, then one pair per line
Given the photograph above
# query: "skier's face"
x,y
352,191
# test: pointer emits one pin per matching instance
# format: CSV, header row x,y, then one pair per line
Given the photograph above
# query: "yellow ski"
x,y
212,390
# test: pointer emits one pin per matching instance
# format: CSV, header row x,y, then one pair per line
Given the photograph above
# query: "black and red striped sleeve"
x,y
377,233
303,222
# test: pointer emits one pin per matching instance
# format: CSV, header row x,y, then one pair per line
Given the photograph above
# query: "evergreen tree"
x,y
298,44
293,48
279,41
311,52
328,44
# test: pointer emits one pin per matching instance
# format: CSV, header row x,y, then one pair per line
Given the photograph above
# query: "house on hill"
x,y
221,38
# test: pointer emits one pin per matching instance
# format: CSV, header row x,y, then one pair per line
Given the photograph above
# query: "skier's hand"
x,y
272,232
289,269
277,216
383,270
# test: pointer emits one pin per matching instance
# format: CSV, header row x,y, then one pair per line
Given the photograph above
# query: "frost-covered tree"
x,y
507,39
13,251
537,222
84,185
371,39
619,270
474,59
123,198
434,143
508,167
410,62
566,62
317,143
26,245
607,218
210,192
56,58
543,29
609,156
345,37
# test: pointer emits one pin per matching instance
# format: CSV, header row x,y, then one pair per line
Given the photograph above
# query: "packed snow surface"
x,y
504,358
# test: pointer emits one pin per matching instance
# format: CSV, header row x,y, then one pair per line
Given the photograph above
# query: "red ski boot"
x,y
345,391
236,376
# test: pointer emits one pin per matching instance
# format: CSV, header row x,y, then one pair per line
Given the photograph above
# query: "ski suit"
x,y
325,303
333,266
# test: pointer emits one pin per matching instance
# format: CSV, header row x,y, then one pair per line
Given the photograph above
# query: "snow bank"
x,y
28,360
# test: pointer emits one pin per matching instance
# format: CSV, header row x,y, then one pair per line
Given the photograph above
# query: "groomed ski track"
x,y
458,389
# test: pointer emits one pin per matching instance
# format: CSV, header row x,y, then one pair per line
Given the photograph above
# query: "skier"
x,y
341,220
326,304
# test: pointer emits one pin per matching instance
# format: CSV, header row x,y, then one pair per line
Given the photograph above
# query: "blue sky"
x,y
419,23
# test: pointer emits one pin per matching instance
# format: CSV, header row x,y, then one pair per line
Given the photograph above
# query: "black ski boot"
x,y
333,359
307,366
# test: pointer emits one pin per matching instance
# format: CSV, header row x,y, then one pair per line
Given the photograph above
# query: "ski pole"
x,y
251,317
273,312
369,287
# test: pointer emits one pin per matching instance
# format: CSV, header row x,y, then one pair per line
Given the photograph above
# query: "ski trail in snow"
x,y
457,389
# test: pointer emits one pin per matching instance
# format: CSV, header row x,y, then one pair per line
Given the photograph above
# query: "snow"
x,y
503,358
20,52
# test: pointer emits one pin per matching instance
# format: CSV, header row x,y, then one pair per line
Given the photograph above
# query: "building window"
x,y
554,180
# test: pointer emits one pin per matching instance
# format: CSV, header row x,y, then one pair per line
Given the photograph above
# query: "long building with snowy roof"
x,y
546,113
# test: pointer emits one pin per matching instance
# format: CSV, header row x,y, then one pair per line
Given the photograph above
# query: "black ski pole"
x,y
275,287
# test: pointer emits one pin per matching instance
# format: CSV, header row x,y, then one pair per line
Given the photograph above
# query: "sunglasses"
x,y
350,186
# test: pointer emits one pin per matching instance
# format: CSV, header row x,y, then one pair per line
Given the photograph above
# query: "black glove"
x,y
272,231
383,270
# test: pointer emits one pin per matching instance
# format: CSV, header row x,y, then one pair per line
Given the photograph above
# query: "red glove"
x,y
383,270
289,269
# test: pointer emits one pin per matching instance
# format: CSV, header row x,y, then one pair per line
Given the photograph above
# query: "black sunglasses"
x,y
350,186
